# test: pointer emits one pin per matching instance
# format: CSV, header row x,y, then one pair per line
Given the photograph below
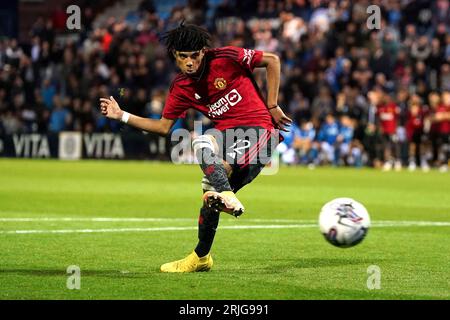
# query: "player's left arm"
x,y
272,64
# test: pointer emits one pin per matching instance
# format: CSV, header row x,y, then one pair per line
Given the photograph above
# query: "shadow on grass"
x,y
281,265
84,273
329,262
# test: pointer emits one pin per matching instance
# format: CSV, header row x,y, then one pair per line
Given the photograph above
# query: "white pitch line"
x,y
235,227
394,223
151,229
93,219
106,219
378,223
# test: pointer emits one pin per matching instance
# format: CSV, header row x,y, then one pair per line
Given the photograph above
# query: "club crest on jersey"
x,y
220,83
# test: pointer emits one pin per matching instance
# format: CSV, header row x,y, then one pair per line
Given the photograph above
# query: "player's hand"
x,y
110,108
281,120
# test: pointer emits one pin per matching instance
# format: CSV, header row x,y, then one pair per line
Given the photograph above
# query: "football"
x,y
344,222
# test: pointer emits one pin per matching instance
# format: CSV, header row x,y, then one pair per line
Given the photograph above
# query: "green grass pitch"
x,y
120,220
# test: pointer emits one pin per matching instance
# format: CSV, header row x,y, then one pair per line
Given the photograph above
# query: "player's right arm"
x,y
111,109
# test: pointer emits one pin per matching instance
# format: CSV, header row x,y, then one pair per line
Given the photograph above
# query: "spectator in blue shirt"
x,y
327,138
60,117
347,151
307,133
287,148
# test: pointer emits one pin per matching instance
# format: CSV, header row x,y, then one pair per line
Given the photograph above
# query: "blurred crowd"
x,y
358,95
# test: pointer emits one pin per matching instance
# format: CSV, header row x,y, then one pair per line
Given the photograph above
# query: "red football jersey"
x,y
443,126
225,92
414,123
388,115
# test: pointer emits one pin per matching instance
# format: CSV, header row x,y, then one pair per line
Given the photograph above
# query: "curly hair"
x,y
186,37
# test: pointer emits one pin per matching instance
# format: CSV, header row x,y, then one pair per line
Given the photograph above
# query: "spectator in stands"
x,y
60,117
388,119
10,122
441,118
289,146
433,126
347,151
445,76
331,64
292,27
326,139
414,132
322,105
304,144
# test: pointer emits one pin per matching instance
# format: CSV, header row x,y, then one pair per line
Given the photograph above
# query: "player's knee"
x,y
204,141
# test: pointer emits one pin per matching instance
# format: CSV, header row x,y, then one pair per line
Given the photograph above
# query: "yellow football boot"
x,y
192,263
